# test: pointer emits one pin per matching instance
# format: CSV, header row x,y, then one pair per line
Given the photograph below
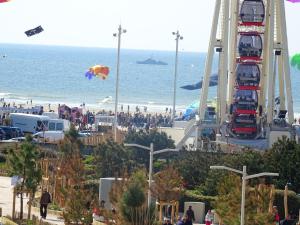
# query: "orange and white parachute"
x,y
97,71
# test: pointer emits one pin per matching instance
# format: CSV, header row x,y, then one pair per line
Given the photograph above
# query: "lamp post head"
x,y
120,31
178,36
216,167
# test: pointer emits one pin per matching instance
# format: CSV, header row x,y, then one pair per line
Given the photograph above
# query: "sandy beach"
x,y
95,108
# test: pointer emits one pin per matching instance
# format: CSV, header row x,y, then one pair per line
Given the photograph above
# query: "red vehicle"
x,y
244,125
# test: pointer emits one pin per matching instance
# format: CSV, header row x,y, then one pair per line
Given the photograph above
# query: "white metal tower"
x,y
250,37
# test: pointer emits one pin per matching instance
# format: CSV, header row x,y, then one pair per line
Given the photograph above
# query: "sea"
x,y
56,75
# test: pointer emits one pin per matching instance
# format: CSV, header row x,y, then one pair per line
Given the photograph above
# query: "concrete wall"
x,y
275,135
104,190
199,210
176,133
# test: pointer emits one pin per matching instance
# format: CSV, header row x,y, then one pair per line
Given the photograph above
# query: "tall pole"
x,y
152,153
243,195
285,202
178,37
150,173
119,34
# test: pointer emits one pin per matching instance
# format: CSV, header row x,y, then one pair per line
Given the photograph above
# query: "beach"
x,y
94,108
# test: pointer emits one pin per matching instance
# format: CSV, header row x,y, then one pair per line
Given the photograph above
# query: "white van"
x,y
49,136
29,123
58,125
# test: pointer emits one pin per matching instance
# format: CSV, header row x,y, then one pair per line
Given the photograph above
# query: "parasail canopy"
x,y
296,61
213,81
2,1
97,71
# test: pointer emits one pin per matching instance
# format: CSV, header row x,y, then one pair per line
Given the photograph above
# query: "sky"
x,y
149,23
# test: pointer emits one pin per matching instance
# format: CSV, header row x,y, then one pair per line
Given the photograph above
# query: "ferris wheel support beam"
x,y
264,79
286,63
208,63
232,51
270,56
223,76
278,41
281,83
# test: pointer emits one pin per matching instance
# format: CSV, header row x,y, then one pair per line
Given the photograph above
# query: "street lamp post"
x,y
245,177
178,37
119,34
152,153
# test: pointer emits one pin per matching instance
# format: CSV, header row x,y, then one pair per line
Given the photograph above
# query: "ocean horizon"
x,y
56,75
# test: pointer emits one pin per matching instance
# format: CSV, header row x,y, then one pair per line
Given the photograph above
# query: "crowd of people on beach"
x,y
83,119
138,119
144,121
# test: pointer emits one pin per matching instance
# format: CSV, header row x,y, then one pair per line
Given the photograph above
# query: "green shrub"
x,y
2,159
54,206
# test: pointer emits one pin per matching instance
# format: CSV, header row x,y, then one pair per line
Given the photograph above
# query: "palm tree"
x,y
24,164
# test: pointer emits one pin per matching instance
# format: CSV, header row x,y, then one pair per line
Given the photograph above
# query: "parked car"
x,y
2,134
9,132
19,139
18,131
49,136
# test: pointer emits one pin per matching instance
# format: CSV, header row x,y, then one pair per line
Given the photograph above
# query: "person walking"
x,y
209,217
190,216
45,200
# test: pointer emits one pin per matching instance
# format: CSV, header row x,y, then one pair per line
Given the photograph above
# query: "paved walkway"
x,y
6,202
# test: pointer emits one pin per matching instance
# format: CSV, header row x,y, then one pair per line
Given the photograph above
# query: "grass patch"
x,y
54,206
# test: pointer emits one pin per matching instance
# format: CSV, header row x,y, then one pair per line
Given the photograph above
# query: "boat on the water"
x,y
107,99
151,61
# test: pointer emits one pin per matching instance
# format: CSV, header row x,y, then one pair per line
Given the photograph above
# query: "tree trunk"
x,y
31,197
21,206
